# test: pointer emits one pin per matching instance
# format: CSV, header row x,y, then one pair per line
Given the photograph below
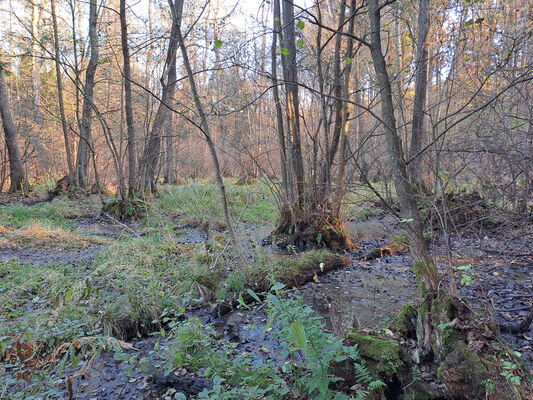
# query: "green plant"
x,y
466,279
509,372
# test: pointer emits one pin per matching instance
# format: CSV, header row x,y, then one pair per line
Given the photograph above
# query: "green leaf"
x,y
278,286
300,25
464,267
522,182
299,43
444,175
405,220
298,333
284,51
242,303
218,43
348,61
276,19
255,296
466,280
469,22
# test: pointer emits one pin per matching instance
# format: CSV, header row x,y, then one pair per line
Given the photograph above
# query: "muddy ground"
x,y
366,294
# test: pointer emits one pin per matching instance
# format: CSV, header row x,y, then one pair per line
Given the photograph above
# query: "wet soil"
x,y
364,294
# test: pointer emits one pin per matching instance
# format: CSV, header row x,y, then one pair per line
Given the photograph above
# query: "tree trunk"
x,y
279,113
132,168
170,163
345,122
419,105
168,82
68,148
293,107
35,65
406,195
16,169
84,147
177,14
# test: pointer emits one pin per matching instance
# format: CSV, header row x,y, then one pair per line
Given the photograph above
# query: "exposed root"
x,y
317,229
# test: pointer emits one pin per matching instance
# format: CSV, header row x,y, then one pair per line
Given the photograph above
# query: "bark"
x,y
59,81
404,189
177,14
16,169
345,123
84,147
293,106
168,82
170,163
35,65
419,105
279,113
132,168
338,106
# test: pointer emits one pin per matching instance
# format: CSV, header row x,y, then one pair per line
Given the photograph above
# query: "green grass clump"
x,y
41,299
198,203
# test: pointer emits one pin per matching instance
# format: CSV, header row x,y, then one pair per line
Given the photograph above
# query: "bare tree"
x,y
85,147
61,101
132,168
177,10
16,169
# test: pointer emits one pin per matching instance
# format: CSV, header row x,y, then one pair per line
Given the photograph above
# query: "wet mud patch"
x,y
363,295
44,256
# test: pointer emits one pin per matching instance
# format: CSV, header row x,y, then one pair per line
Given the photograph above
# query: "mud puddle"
x,y
364,295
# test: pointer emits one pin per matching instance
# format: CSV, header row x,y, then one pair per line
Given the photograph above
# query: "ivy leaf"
x,y
300,25
298,332
299,43
348,61
284,51
218,43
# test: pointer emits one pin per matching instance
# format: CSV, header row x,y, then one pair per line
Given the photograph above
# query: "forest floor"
x,y
93,308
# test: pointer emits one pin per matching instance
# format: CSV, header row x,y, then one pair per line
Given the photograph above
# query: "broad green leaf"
x,y
298,332
299,43
348,61
255,296
522,182
284,51
469,22
218,43
300,25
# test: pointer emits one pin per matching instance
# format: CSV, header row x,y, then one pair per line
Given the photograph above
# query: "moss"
x,y
419,272
385,356
405,322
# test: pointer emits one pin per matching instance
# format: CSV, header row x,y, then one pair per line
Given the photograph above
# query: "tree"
x,y
59,82
85,142
132,168
404,189
16,169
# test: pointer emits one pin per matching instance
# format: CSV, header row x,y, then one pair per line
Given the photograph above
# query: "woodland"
x,y
266,199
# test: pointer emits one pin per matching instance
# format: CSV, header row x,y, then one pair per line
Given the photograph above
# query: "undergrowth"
x,y
301,369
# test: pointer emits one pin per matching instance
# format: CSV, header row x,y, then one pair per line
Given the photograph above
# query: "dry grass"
x,y
38,235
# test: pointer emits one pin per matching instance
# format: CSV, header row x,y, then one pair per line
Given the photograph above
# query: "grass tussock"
x,y
198,203
37,234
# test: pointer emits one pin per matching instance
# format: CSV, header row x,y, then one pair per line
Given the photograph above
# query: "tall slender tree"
x,y
16,169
